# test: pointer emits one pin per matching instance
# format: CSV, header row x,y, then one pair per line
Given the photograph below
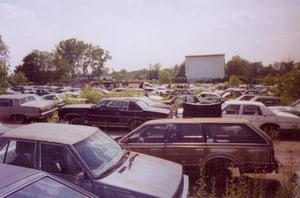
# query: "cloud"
x,y
13,13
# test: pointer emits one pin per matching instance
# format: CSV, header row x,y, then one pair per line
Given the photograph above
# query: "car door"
x,y
253,114
60,161
240,143
19,153
185,144
106,113
231,111
149,139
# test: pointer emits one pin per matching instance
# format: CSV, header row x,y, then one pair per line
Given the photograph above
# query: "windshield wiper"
x,y
116,165
131,160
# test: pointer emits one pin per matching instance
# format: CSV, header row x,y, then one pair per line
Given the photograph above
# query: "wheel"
x,y
19,119
75,120
135,123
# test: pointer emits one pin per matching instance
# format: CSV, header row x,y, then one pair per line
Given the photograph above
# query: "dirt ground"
x,y
288,153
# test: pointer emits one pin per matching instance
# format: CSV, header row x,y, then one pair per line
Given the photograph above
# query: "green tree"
x,y
154,71
252,70
180,75
234,81
38,67
82,57
164,77
18,79
236,66
289,84
3,66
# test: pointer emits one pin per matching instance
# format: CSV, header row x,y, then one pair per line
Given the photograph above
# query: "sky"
x,y
140,33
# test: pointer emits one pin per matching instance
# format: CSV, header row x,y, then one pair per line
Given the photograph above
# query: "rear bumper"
x,y
47,113
276,165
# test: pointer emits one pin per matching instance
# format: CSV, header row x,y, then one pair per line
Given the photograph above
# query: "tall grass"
x,y
256,186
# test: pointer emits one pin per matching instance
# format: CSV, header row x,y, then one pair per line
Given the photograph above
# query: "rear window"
x,y
232,133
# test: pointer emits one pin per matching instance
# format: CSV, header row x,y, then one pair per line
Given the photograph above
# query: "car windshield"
x,y
99,152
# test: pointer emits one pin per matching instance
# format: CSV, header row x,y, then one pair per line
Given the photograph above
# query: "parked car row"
x,y
88,158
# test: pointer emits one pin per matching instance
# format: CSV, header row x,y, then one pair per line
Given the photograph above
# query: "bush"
x,y
91,96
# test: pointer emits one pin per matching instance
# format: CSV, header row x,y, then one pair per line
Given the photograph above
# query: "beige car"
x,y
21,107
212,143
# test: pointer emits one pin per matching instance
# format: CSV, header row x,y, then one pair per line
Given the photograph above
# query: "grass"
x,y
256,186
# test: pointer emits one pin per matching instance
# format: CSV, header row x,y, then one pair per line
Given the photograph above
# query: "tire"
x,y
75,121
18,118
135,123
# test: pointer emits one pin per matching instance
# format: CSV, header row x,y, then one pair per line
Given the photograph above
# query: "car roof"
x,y
15,96
52,132
243,102
259,96
10,174
197,120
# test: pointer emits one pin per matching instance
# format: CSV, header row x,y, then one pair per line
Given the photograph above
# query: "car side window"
x,y
153,134
5,103
186,133
115,104
232,133
125,106
59,159
232,109
251,110
20,153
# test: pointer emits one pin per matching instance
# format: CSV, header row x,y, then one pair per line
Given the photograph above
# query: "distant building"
x,y
205,67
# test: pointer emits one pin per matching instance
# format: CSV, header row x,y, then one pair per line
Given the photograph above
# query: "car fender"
x,y
224,156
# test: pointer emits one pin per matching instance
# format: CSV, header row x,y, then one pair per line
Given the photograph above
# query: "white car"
x,y
293,108
260,115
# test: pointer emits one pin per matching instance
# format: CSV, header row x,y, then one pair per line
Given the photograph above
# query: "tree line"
x,y
72,58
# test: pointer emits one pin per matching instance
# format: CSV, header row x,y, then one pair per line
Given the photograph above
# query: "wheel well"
x,y
269,124
136,119
223,161
132,120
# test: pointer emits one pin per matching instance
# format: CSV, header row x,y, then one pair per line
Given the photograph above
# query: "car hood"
x,y
286,114
42,104
158,110
147,175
